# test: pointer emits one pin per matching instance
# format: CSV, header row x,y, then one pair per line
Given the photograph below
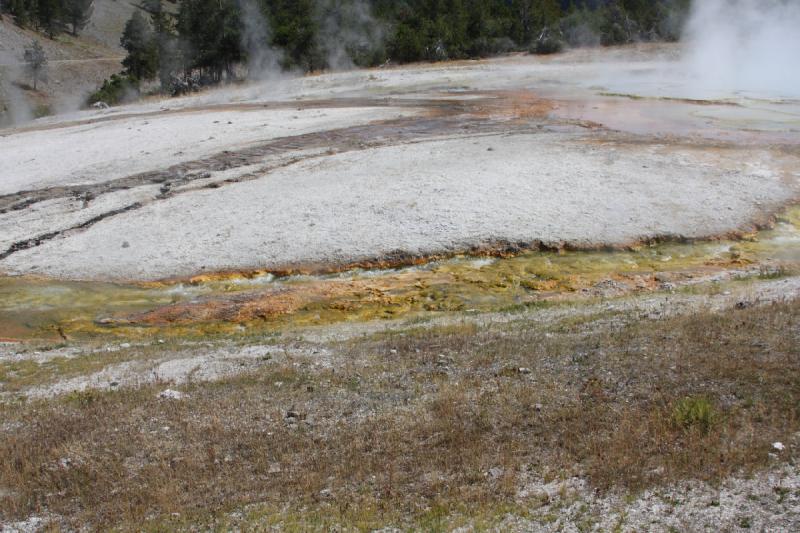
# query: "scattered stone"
x,y
170,394
779,446
524,370
495,472
126,244
444,360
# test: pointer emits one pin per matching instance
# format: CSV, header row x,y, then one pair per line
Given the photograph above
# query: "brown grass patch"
x,y
419,424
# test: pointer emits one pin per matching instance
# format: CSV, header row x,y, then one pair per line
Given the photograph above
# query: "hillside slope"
x,y
76,65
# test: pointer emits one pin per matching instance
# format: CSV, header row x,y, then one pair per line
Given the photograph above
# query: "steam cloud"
x,y
263,61
745,46
14,108
347,27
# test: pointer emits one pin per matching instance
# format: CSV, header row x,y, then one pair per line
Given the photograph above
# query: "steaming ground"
x,y
588,149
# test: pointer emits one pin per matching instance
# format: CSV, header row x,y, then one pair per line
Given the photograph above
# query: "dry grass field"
x,y
421,428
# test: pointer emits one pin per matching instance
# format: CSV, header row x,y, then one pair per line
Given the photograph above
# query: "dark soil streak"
x,y
444,118
38,240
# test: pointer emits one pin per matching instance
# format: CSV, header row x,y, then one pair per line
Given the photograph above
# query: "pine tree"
x,y
49,15
212,29
296,30
137,39
77,13
166,45
35,62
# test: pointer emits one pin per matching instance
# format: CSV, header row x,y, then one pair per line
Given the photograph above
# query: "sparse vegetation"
x,y
115,90
415,427
694,413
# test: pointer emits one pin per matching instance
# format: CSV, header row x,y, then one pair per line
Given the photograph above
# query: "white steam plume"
x,y
263,60
347,27
14,107
745,46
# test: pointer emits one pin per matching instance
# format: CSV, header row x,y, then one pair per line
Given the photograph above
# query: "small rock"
x,y
538,407
524,370
495,472
443,360
126,244
125,345
274,468
779,446
291,414
114,384
170,394
325,493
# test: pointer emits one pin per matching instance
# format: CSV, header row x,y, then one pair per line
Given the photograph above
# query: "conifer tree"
x,y
78,13
35,62
137,39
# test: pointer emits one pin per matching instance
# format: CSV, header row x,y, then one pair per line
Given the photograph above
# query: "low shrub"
x,y
118,89
694,412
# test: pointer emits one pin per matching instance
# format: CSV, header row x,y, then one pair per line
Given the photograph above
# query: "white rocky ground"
x,y
92,153
767,502
444,191
422,199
